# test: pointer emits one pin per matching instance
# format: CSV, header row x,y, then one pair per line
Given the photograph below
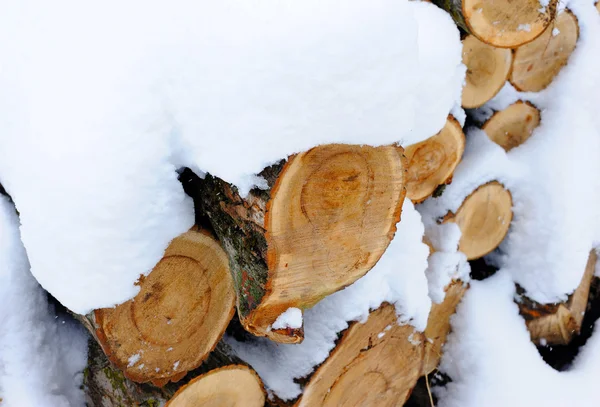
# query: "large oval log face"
x,y
332,214
180,313
376,363
507,23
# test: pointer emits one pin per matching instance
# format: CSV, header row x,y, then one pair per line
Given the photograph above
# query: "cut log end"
x,y
507,23
488,69
178,316
235,386
557,324
537,63
331,215
483,218
432,162
374,364
511,127
438,325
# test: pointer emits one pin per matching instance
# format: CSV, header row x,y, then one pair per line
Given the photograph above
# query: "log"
x,y
432,162
376,363
438,325
557,324
235,385
536,64
488,69
324,221
179,315
505,23
598,6
483,218
107,386
511,127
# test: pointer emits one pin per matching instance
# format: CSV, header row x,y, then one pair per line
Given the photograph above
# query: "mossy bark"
x,y
106,386
239,224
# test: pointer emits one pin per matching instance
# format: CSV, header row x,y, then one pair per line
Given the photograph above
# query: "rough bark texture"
x,y
107,386
454,8
325,218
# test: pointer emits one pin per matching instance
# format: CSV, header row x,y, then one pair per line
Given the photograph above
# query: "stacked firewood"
x,y
324,221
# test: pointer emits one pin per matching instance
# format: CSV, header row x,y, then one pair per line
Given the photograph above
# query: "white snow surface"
x,y
493,362
290,318
42,356
101,102
398,278
552,177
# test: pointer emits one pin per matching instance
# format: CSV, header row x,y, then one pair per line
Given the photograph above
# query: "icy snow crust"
x,y
97,112
42,357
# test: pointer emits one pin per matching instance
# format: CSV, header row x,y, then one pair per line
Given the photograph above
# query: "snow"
x,y
555,32
133,359
291,318
493,362
94,126
398,278
42,356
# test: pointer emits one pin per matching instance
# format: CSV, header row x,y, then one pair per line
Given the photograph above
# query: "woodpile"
x,y
322,220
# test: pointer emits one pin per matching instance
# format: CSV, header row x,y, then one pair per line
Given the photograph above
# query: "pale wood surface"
x,y
511,127
432,162
177,318
374,364
536,64
488,69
